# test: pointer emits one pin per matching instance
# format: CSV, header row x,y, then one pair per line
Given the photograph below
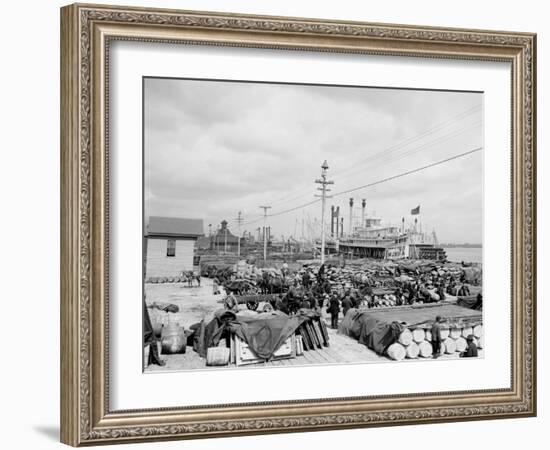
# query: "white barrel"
x,y
480,342
449,345
406,337
444,333
217,356
418,335
396,351
461,344
455,333
412,350
425,349
466,331
478,331
428,335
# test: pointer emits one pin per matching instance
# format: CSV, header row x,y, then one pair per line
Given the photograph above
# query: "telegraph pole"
x,y
324,183
239,223
265,208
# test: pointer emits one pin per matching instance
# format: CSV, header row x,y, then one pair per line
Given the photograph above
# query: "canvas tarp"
x,y
374,332
470,302
264,332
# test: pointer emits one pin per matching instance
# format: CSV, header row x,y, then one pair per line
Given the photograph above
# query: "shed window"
x,y
171,247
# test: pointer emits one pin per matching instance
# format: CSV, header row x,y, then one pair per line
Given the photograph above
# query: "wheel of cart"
x,y
252,305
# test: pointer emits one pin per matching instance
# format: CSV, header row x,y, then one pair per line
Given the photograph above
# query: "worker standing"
x,y
334,309
346,304
436,337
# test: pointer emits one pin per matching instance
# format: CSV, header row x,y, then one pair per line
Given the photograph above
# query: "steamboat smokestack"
x,y
363,206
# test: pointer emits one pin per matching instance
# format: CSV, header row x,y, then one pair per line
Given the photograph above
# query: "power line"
x,y
386,154
409,172
384,180
415,138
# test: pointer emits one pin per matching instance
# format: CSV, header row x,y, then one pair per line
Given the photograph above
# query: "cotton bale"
x,y
449,345
461,344
412,350
478,331
428,335
444,333
455,333
466,331
396,351
406,337
425,349
418,335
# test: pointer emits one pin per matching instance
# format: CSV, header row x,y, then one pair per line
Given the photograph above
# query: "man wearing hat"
x,y
436,337
471,349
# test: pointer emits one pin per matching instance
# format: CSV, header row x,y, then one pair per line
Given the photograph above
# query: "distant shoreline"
x,y
461,245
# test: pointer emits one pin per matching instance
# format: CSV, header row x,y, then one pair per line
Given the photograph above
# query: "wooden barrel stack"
x,y
416,342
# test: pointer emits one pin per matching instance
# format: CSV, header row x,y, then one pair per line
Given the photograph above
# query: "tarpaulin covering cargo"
x,y
471,302
374,332
263,332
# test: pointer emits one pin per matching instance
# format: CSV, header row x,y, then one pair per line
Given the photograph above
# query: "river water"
x,y
466,254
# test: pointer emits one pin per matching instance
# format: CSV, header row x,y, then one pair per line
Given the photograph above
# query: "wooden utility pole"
x,y
324,183
265,208
240,220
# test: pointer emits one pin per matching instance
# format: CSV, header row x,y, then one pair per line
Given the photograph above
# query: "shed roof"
x,y
174,226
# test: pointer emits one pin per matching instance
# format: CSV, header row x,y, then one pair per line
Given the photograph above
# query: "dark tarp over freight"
x,y
264,332
376,333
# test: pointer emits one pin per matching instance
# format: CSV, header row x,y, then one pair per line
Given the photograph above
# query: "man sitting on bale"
x,y
471,349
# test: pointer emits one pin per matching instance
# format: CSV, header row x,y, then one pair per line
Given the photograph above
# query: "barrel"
x,y
478,331
396,351
406,337
425,349
461,344
173,339
480,342
418,335
449,345
158,319
455,333
466,331
217,356
444,333
412,350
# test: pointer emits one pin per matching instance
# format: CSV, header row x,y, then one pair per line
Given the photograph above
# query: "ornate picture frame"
x,y
86,34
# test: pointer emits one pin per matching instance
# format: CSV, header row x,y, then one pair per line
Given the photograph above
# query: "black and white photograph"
x,y
299,224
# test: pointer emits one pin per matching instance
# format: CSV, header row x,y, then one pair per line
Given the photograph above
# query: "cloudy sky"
x,y
213,149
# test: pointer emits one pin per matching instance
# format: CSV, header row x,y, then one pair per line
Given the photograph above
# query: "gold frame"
x,y
86,31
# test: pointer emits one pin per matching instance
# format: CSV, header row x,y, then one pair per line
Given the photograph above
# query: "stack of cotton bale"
x,y
416,342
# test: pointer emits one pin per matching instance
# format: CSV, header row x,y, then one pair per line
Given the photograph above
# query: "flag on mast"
x,y
415,211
